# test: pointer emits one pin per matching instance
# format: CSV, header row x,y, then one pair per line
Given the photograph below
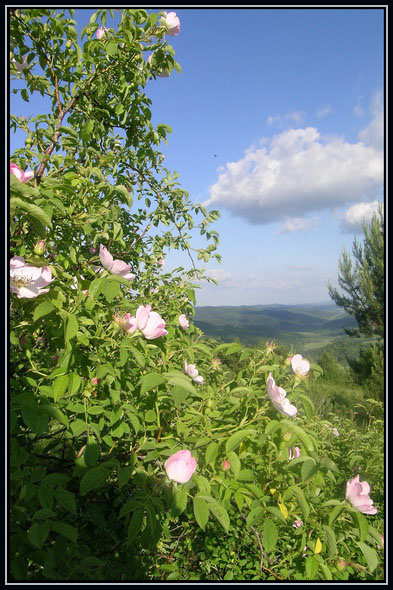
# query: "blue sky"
x,y
277,121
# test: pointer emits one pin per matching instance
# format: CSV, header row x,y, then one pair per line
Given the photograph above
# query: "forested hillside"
x,y
314,328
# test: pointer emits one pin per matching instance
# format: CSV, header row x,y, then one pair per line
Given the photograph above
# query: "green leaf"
x,y
301,501
34,212
311,567
66,499
235,464
71,326
211,452
135,525
151,381
179,502
234,441
43,309
59,386
253,515
370,556
74,382
327,574
38,534
303,436
34,419
111,289
179,395
360,521
93,479
64,529
111,48
330,540
56,414
308,405
201,511
96,288
335,513
309,468
91,454
184,383
270,535
123,475
220,514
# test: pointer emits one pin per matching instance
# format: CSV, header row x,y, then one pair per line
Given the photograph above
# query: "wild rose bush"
x,y
127,428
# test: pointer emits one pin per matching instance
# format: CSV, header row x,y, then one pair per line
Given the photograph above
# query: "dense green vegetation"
x,y
140,448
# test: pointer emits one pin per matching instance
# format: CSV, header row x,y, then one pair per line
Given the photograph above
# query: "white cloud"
x,y
356,215
373,134
298,172
294,224
323,111
281,120
219,275
358,111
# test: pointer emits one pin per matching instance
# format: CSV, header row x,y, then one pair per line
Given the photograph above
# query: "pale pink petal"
x,y
17,262
29,292
28,176
142,315
119,268
106,257
130,324
16,171
45,278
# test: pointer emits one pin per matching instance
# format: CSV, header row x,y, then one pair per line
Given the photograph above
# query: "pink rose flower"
x,y
115,267
100,33
358,495
296,453
279,399
192,372
297,523
183,321
171,22
20,175
95,381
226,465
150,323
300,365
180,466
28,281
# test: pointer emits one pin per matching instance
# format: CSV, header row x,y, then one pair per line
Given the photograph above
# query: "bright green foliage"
x,y
96,411
365,282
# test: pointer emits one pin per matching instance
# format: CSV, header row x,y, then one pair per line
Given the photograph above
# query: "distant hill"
x,y
311,328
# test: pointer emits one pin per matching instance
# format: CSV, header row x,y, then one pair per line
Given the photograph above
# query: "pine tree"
x,y
364,281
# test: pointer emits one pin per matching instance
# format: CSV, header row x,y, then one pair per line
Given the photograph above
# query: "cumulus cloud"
x,y
355,216
294,224
298,172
